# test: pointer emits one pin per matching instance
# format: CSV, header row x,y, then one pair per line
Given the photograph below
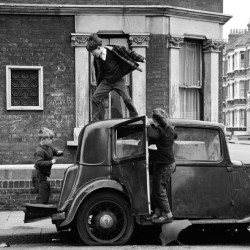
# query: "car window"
x,y
94,147
129,140
201,144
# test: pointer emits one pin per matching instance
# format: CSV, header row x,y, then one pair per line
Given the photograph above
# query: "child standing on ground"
x,y
43,163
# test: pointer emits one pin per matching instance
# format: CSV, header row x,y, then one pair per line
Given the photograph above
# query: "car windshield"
x,y
197,144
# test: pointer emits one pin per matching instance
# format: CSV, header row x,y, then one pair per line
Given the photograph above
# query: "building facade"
x,y
236,82
47,78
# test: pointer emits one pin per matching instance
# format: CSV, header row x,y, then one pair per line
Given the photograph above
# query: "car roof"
x,y
174,121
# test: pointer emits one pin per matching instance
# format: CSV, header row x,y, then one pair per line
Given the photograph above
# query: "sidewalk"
x,y
14,231
244,142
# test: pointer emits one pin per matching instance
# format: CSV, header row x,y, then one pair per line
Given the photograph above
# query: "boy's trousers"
x,y
42,187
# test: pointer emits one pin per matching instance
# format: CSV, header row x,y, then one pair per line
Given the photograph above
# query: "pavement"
x,y
14,231
244,142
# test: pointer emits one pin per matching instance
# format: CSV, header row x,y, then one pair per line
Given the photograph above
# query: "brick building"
x,y
236,83
47,78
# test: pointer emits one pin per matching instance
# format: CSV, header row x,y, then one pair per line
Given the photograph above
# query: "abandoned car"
x,y
107,190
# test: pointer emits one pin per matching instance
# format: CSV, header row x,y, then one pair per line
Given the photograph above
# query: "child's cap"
x,y
45,133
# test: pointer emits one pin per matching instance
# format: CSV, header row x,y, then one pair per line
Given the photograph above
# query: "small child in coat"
x,y
43,163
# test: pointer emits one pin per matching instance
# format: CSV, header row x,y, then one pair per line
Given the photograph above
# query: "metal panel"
x,y
201,192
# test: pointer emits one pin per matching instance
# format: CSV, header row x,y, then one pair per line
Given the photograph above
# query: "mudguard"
x,y
85,192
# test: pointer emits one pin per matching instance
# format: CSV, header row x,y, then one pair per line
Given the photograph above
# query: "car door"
x,y
240,183
130,162
201,184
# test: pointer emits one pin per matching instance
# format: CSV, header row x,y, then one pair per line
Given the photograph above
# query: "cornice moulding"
x,y
147,10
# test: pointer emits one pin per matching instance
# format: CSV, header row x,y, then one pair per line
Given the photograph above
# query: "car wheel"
x,y
105,219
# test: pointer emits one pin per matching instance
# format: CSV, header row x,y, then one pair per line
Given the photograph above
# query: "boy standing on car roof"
x,y
111,64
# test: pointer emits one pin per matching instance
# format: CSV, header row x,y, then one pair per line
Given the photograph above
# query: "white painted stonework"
x,y
143,21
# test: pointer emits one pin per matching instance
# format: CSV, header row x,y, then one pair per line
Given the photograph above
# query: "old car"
x,y
107,190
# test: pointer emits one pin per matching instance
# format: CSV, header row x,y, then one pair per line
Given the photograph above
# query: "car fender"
x,y
84,193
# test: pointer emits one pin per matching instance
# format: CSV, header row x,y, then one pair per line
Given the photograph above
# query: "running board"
x,y
245,220
36,212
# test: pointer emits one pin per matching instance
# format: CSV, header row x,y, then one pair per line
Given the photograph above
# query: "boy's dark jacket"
x,y
43,159
164,138
126,55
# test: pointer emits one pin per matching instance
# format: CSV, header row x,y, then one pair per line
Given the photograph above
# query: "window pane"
x,y
129,140
190,80
197,144
242,118
242,89
190,63
190,103
242,59
24,87
94,146
248,57
235,90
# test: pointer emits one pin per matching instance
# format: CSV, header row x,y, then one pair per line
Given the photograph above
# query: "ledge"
x,y
23,171
31,166
149,10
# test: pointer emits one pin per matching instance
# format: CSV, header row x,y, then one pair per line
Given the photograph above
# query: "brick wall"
x,y
207,5
157,74
16,188
14,194
38,41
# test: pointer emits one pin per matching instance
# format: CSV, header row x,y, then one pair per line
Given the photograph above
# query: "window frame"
x,y
248,57
192,161
242,59
242,89
130,155
186,87
242,118
40,105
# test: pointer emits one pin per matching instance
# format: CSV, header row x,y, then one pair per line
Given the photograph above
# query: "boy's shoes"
x,y
164,218
156,214
152,217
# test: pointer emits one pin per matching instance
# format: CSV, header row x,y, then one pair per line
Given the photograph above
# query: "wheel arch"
x,y
86,192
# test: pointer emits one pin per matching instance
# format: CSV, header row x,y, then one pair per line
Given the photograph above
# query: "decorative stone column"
x,y
79,41
139,43
211,49
247,118
174,73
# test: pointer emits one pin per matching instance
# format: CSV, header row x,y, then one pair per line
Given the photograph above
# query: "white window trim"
x,y
8,88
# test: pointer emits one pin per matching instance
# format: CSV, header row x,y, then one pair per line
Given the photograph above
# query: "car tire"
x,y
105,219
